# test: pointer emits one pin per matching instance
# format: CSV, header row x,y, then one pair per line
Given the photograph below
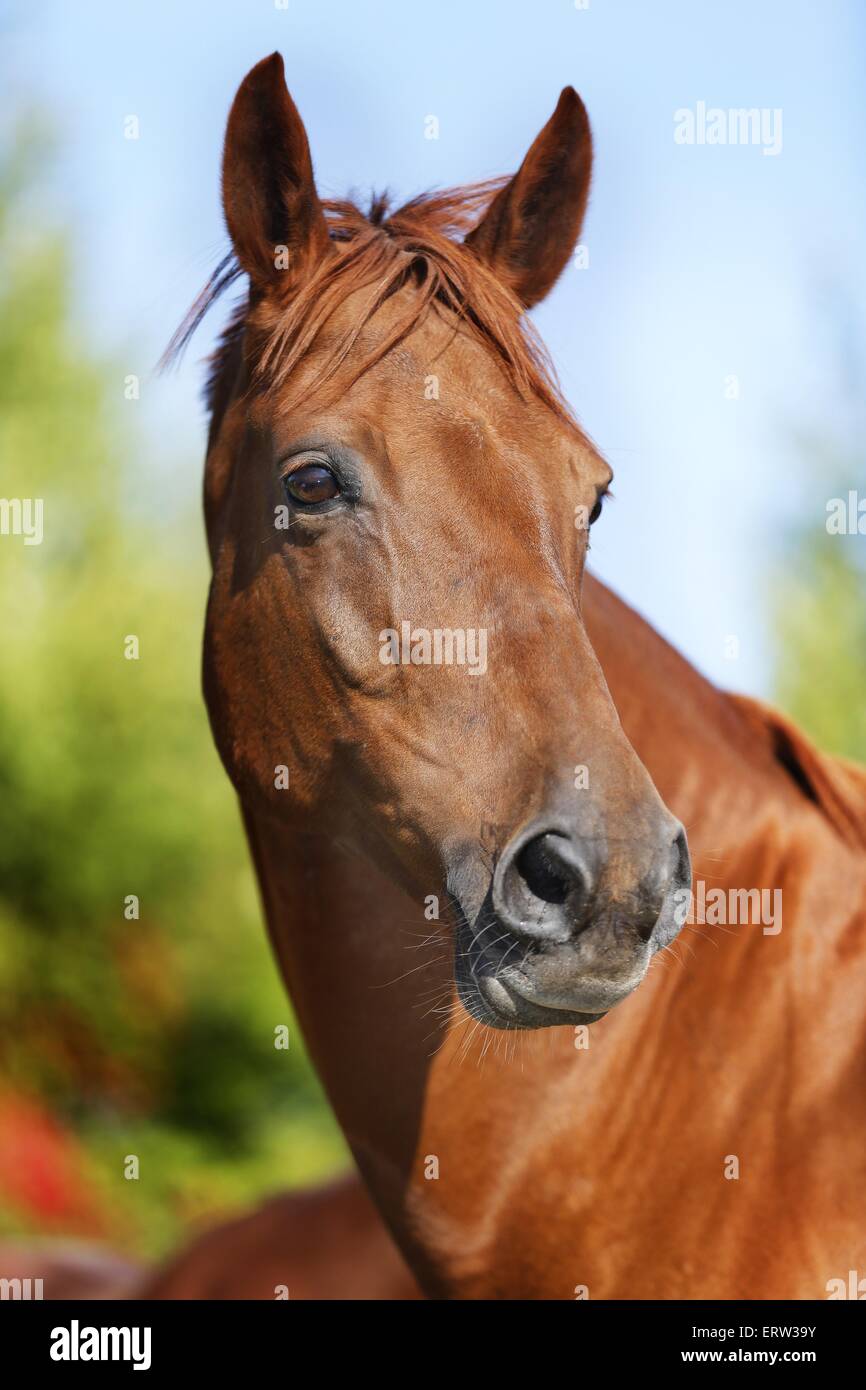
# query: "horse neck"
x,y
737,772
347,939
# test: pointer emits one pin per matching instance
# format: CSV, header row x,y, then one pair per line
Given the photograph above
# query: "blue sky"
x,y
705,262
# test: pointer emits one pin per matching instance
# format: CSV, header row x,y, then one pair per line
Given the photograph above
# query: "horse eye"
x,y
311,484
596,511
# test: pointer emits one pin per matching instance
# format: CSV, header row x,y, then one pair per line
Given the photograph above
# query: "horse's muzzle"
x,y
569,925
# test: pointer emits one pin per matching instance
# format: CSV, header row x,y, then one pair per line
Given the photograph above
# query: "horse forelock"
x,y
381,251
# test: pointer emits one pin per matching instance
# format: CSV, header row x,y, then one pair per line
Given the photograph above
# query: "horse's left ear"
x,y
530,229
272,210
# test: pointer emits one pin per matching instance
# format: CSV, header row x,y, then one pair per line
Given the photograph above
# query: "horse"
x,y
326,1242
329,1242
473,882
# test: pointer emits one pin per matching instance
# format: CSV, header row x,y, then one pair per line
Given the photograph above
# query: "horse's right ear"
x,y
272,210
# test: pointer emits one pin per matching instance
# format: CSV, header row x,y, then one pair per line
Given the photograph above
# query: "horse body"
x,y
703,1138
326,1242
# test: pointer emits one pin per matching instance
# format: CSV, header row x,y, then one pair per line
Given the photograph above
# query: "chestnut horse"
x,y
772,790
457,844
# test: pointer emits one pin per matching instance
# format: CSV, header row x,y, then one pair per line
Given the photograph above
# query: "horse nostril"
x,y
682,858
551,887
544,871
541,888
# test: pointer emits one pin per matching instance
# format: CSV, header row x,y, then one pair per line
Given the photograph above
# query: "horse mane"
x,y
381,250
836,786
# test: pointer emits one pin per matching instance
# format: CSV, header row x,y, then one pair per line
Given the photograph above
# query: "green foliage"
x,y
151,1036
820,616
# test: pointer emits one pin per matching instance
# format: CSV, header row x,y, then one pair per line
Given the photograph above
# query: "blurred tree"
x,y
819,610
822,643
150,1035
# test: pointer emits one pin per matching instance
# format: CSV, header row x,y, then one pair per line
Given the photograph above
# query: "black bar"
x,y
257,1339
